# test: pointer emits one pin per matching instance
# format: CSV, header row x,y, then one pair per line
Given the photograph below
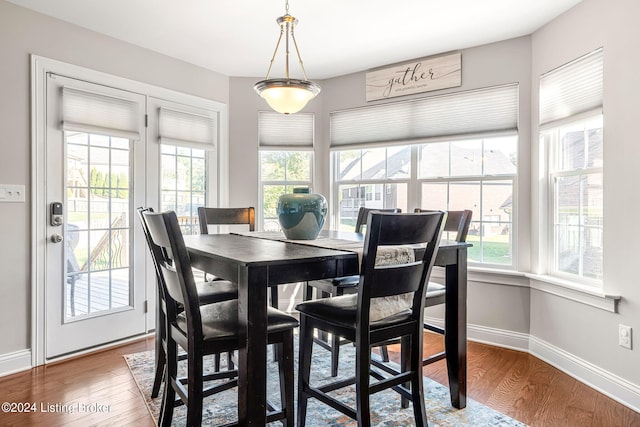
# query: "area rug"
x,y
386,412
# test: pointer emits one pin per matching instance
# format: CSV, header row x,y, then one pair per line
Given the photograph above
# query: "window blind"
x,y
470,112
187,129
277,130
84,111
572,89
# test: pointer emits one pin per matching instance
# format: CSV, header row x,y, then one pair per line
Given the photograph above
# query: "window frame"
x,y
568,95
550,140
414,186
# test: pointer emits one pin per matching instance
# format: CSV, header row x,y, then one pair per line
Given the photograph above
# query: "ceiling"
x,y
335,37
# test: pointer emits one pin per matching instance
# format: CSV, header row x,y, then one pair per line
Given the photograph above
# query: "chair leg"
x,y
169,395
363,394
216,362
304,369
274,304
417,391
287,378
405,365
274,296
384,353
230,364
335,354
194,389
307,295
161,360
322,334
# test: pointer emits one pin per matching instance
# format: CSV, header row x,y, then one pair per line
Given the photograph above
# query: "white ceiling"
x,y
335,37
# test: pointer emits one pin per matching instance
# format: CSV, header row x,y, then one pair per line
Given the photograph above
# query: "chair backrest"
x,y
168,305
226,216
174,266
390,229
457,221
363,215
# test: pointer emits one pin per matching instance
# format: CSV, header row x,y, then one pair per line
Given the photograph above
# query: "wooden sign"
x,y
418,76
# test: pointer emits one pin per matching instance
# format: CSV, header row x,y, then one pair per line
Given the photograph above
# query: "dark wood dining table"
x,y
258,263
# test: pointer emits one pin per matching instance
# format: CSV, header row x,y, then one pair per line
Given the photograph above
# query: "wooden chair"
x,y
226,216
231,216
340,286
351,316
458,222
208,293
208,329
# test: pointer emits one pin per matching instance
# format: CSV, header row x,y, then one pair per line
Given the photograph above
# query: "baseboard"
x,y
18,361
498,337
611,385
595,377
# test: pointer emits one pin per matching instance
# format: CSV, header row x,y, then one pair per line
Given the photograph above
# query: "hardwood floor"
x,y
512,382
530,390
100,378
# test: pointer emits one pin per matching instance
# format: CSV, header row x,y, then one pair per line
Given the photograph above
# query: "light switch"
x,y
12,193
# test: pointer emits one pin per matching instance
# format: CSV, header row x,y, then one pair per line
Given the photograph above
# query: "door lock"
x,y
56,238
55,214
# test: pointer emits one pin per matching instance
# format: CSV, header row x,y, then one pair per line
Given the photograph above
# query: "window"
x,y
187,137
280,172
286,159
572,135
479,175
182,184
576,195
450,152
372,178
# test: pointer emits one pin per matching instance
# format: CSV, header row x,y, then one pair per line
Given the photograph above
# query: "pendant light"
x,y
287,95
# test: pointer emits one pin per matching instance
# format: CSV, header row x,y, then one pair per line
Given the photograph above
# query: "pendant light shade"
x,y
287,95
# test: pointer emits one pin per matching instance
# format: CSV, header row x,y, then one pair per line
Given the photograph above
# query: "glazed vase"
x,y
301,214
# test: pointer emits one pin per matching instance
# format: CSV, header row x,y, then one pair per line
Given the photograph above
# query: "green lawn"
x,y
495,250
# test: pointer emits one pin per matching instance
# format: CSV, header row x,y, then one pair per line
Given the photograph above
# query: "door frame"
x,y
40,67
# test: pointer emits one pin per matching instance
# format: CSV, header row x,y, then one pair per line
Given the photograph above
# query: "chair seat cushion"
x,y
216,291
342,311
435,294
347,281
435,290
220,320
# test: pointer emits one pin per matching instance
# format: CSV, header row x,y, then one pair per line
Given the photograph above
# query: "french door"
x,y
95,170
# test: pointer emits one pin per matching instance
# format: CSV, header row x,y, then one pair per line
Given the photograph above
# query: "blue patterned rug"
x,y
386,411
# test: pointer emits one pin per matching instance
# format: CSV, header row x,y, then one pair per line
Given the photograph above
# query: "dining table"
x,y
259,260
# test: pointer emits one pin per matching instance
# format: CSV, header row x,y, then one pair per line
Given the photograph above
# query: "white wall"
x,y
585,332
22,33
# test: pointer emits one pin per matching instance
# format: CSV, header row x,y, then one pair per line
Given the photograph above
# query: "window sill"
x,y
542,283
489,275
574,292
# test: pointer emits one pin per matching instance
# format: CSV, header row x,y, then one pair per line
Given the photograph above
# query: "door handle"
x,y
56,238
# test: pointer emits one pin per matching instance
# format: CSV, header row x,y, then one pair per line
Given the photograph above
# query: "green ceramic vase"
x,y
301,215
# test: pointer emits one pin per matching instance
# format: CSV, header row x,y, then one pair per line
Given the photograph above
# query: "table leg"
x,y
252,356
455,337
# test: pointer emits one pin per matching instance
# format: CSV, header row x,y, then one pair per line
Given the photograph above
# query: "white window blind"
x,y
572,89
84,111
285,130
417,120
187,129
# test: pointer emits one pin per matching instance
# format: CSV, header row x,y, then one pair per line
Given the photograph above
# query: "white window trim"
x,y
574,283
574,291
